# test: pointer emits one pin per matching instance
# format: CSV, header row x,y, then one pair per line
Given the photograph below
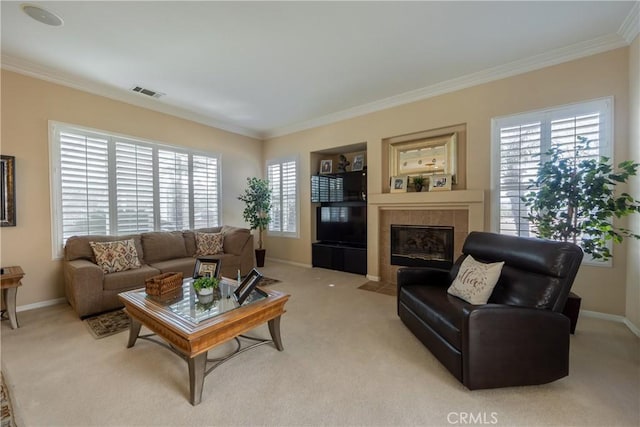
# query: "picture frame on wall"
x,y
440,182
7,191
435,155
248,284
399,184
326,166
358,162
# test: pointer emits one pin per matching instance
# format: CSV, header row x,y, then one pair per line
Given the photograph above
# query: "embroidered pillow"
x,y
116,256
209,243
475,280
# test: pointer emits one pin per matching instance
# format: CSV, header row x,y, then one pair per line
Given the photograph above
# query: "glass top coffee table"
x,y
190,329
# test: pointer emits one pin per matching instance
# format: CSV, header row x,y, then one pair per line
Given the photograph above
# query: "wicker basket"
x,y
163,284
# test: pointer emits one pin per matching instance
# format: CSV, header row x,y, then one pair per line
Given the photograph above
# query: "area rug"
x,y
266,281
6,410
380,287
107,324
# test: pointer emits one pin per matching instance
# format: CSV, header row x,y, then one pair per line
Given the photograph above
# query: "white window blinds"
x,y
108,184
84,179
173,190
134,188
520,142
283,182
205,191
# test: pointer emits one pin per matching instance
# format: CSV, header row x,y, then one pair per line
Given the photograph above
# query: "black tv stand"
x,y
348,257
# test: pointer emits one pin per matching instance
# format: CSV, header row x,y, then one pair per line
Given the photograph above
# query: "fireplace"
x,y
422,246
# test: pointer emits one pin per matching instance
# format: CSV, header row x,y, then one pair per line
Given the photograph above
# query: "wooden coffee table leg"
x,y
197,366
274,330
134,330
10,301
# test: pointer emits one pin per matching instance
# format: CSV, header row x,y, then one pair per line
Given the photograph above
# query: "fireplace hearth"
x,y
422,246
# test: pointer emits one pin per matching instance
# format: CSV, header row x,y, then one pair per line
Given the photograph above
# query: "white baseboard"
x,y
284,261
40,304
612,318
373,278
586,313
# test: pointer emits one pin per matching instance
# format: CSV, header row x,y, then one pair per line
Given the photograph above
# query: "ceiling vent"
x,y
148,92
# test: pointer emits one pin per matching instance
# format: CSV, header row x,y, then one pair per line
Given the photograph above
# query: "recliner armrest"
x,y
506,345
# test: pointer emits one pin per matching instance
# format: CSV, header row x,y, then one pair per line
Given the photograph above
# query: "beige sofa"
x,y
89,290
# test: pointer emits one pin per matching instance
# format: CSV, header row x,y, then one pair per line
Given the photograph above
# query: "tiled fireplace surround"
x,y
462,209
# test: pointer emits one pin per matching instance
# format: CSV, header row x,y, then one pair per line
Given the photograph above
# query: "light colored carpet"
x,y
348,361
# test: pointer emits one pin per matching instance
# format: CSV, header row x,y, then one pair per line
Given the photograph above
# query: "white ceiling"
x,y
270,68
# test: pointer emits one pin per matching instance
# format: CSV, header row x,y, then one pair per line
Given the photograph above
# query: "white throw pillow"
x,y
475,280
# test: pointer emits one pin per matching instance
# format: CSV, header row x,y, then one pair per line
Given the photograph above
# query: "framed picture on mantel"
x,y
399,184
440,182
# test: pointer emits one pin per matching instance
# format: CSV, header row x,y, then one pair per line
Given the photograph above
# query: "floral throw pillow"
x,y
209,243
116,256
475,280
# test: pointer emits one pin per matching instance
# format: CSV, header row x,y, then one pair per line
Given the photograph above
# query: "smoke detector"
x,y
148,92
42,15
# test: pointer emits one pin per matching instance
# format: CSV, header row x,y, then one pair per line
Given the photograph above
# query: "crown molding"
x,y
37,71
630,27
627,32
554,57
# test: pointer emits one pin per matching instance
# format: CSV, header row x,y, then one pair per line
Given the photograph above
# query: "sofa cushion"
x,y
184,265
78,247
209,243
442,312
190,238
475,280
112,257
163,245
126,280
236,239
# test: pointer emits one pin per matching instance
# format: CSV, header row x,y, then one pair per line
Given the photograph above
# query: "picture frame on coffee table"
x,y
204,266
248,284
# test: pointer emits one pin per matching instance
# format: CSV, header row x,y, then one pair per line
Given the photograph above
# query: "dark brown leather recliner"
x,y
520,337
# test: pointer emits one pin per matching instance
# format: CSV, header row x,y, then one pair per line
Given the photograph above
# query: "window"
x,y
109,184
283,182
520,141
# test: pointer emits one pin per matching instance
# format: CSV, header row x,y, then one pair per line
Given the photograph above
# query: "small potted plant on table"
x,y
207,288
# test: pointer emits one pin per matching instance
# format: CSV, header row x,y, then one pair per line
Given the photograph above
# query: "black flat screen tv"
x,y
342,225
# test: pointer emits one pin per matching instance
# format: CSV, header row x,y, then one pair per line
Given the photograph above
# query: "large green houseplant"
x,y
257,198
575,200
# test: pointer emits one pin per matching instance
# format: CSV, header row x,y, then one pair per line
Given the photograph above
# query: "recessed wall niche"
x,y
460,132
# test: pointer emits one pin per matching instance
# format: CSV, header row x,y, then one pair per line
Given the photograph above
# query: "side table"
x,y
10,279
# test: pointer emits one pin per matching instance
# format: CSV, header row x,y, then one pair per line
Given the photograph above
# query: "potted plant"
x,y
575,200
257,197
207,288
418,183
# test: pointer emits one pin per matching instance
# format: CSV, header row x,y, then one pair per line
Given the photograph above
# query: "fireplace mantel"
x,y
438,198
471,201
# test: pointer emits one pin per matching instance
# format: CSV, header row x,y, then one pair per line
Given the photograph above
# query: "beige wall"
x,y
606,74
27,106
632,312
